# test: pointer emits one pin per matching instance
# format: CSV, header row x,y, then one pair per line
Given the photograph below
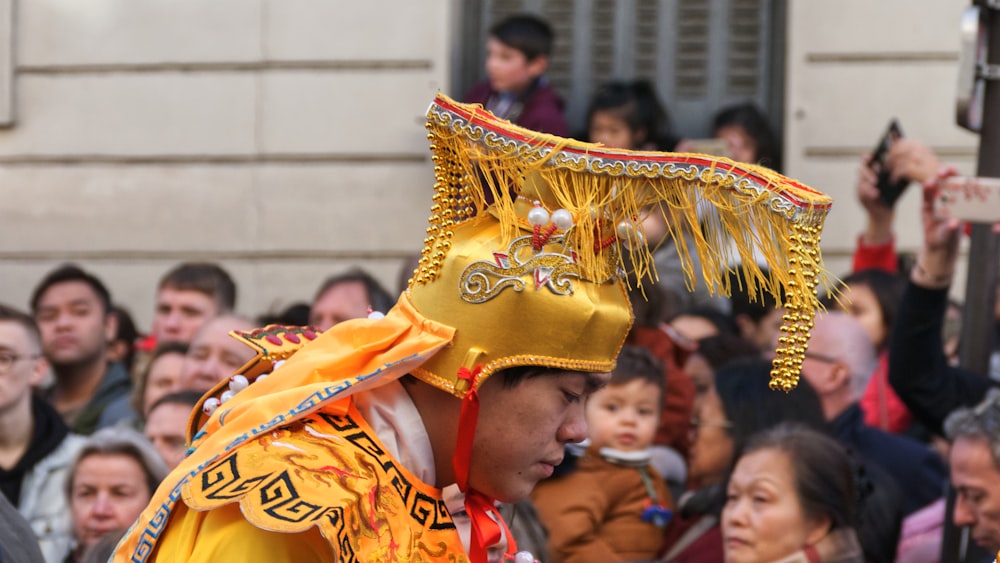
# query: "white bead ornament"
x,y
210,405
624,229
226,395
238,383
376,315
262,376
562,219
538,216
524,557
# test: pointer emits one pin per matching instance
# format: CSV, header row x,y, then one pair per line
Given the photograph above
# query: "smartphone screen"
x,y
976,200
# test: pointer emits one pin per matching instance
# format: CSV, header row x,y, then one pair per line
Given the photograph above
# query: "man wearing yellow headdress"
x,y
393,438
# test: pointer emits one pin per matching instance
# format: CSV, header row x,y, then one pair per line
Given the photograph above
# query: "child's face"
x,y
508,69
624,416
609,129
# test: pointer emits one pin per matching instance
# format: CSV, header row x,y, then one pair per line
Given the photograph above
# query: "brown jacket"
x,y
594,514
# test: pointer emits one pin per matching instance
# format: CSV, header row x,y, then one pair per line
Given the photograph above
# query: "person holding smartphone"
x,y
906,158
900,160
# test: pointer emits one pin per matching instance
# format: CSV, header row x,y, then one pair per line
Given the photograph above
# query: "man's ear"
x,y
538,65
39,372
110,327
839,376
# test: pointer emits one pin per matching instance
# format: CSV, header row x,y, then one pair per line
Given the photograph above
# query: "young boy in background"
x,y
610,507
517,56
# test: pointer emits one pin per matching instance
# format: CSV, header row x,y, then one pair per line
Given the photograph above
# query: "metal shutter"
x,y
701,54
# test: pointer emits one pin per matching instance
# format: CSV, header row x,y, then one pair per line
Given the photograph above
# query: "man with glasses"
x,y
36,448
838,364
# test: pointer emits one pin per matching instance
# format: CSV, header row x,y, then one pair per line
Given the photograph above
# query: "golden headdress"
x,y
522,265
530,232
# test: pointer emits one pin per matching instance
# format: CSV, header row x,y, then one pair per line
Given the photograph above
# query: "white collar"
x,y
390,412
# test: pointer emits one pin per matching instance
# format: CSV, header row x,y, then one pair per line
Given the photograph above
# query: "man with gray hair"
x,y
838,365
974,457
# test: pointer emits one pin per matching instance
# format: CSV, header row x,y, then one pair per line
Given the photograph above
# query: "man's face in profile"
x,y
977,484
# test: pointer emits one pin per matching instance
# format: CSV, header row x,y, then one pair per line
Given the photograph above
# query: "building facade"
x,y
284,138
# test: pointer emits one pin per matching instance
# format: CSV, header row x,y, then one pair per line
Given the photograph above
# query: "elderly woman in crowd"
x,y
791,498
111,481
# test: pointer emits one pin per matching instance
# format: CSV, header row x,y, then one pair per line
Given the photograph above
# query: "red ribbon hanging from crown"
x,y
488,527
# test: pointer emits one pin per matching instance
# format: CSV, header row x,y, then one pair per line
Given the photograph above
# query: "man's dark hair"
x,y
723,349
741,303
296,314
527,33
378,298
203,277
751,406
127,333
71,273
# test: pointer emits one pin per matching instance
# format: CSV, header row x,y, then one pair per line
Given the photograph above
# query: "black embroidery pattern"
x,y
279,498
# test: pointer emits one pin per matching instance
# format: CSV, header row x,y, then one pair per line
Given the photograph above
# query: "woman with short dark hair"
x,y
791,498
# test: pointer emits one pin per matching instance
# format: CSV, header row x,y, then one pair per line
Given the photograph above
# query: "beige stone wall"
x,y
282,138
852,65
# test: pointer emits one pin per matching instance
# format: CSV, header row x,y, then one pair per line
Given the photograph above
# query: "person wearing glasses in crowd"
x,y
36,447
839,363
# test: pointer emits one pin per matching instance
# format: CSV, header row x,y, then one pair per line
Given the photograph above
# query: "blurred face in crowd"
x,y
764,333
712,446
701,373
21,366
863,305
344,301
162,377
977,502
180,313
508,69
741,147
694,327
763,518
165,428
214,355
75,327
624,416
109,491
608,128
